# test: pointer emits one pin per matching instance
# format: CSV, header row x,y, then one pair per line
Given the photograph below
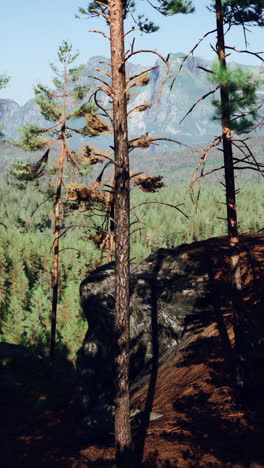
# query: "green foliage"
x,y
60,105
65,55
4,81
85,108
50,109
31,139
242,12
23,171
173,7
242,89
26,263
26,268
165,7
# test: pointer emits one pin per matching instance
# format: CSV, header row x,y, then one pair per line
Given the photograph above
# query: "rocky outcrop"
x,y
170,291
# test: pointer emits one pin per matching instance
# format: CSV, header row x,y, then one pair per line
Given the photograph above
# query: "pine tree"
x,y
59,107
37,321
236,95
237,110
115,12
70,323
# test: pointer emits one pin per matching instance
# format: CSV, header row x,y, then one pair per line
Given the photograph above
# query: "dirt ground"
x,y
203,421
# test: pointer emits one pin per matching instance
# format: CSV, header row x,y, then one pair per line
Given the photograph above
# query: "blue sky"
x,y
32,30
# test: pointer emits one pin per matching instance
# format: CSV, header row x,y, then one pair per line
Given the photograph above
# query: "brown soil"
x,y
204,422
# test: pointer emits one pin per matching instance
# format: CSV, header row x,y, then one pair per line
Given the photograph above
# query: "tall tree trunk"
x,y
55,273
237,296
122,240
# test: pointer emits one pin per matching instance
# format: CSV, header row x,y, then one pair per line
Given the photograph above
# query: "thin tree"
x,y
60,107
237,111
233,12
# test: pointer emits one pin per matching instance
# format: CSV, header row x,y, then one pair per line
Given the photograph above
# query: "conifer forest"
x,y
132,247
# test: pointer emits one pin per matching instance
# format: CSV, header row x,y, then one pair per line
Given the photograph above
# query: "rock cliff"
x,y
172,291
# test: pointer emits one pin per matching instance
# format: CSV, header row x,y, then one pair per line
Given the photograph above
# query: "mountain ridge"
x,y
162,119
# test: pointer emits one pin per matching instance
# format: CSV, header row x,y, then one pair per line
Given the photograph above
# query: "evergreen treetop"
x,y
60,105
238,12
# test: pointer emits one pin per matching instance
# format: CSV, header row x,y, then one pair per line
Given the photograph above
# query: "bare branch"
x,y
98,12
174,141
197,102
42,203
204,69
165,61
106,114
103,71
160,203
100,32
140,108
130,31
139,74
256,54
99,79
107,90
188,55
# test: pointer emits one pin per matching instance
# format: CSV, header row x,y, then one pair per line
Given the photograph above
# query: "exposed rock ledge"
x,y
171,292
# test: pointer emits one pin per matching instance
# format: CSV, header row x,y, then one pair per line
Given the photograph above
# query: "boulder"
x,y
173,292
169,290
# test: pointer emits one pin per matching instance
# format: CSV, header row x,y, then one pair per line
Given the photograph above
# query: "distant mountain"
x,y
161,119
7,109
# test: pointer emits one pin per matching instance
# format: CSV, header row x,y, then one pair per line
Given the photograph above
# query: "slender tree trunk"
x,y
55,273
237,297
122,240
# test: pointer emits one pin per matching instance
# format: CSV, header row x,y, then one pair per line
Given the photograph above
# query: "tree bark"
x,y
122,238
237,296
55,273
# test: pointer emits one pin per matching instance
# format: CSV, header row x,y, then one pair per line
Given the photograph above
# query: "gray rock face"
x,y
168,292
162,118
7,109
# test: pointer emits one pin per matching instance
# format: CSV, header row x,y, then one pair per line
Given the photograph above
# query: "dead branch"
x,y
165,61
209,172
201,164
142,80
204,69
160,203
141,108
104,71
130,31
137,75
188,55
42,203
101,81
250,153
147,183
100,32
106,114
256,54
174,141
197,102
107,90
97,125
98,12
72,227
105,5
